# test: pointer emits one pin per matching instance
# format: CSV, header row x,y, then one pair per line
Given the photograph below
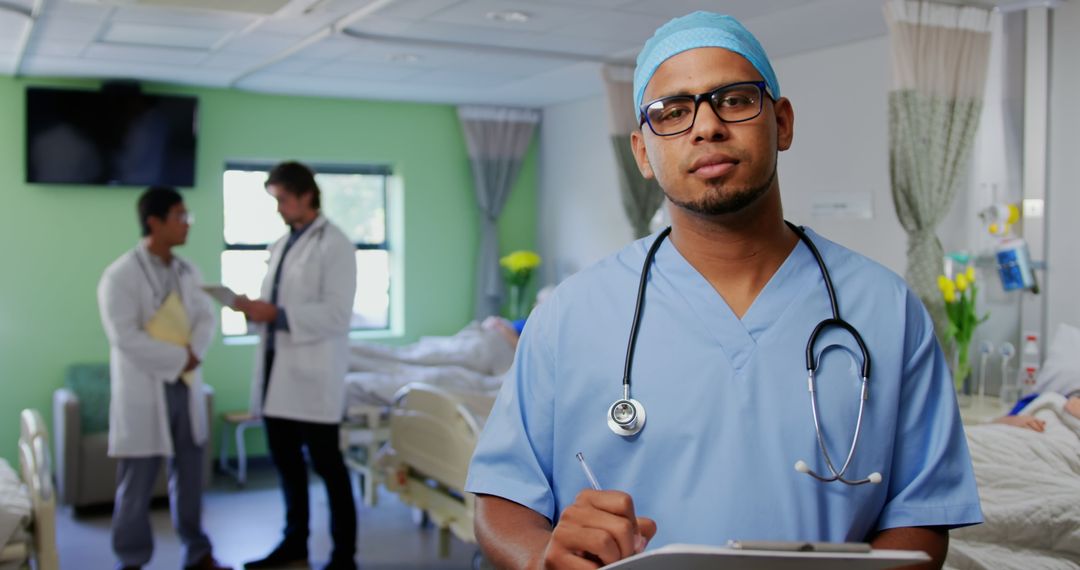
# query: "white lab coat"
x,y
318,284
140,366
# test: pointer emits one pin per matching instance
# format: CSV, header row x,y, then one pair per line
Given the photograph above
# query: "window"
x,y
353,197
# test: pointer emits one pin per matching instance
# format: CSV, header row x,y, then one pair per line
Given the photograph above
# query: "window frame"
x,y
382,170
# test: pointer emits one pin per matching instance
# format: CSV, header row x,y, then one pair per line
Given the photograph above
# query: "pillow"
x,y
90,382
1060,370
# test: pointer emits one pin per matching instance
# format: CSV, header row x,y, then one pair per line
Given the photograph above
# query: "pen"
x,y
639,541
588,472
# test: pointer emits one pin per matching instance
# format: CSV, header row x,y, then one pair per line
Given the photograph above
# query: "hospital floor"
x,y
244,524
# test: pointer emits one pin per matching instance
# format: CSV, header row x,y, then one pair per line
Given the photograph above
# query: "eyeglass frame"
x,y
762,86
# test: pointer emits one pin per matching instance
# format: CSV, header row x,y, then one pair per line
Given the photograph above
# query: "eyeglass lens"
x,y
732,103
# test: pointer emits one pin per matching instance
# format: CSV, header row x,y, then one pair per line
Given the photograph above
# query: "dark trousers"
x,y
286,440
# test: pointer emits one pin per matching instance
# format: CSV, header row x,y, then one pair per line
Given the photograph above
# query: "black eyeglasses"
x,y
734,103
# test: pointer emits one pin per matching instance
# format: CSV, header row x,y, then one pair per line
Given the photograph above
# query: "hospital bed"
x,y
432,436
1029,486
33,543
469,363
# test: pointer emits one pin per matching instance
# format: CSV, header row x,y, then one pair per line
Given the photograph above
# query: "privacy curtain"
x,y
940,56
640,197
497,139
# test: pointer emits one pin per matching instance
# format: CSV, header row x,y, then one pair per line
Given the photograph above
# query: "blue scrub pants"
x,y
132,537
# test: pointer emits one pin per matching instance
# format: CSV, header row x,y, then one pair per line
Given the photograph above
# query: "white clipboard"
x,y
221,294
698,557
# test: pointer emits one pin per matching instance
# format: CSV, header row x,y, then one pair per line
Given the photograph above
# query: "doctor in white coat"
x,y
299,383
153,413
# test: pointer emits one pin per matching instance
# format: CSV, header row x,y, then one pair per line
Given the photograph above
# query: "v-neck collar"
x,y
737,337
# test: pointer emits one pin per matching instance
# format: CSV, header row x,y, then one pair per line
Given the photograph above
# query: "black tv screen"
x,y
121,137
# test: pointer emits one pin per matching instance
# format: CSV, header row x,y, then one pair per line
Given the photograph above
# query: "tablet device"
x,y
221,293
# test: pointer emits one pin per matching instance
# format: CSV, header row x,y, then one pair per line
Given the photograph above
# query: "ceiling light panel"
x,y
162,36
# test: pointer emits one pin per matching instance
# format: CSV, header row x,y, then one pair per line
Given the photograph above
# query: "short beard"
x,y
714,203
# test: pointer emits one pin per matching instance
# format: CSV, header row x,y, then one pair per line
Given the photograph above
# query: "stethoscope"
x,y
181,268
626,417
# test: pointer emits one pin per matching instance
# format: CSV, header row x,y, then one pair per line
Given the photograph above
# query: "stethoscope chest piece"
x,y
626,417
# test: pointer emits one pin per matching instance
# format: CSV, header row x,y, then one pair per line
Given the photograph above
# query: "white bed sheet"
x,y
473,348
1029,485
15,506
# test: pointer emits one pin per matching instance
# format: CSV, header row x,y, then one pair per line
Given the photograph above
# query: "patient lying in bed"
x,y
1027,421
1028,480
470,362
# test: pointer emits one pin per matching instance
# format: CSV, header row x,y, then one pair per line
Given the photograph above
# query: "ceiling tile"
x,y
260,44
58,48
372,71
415,9
256,7
233,62
80,67
543,17
50,29
444,77
86,10
12,28
162,56
331,48
295,65
605,4
7,63
627,28
741,9
163,36
186,18
297,25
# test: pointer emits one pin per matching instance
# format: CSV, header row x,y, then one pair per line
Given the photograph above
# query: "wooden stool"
x,y
239,421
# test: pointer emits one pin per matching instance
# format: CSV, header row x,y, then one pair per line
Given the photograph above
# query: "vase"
x,y
961,375
515,306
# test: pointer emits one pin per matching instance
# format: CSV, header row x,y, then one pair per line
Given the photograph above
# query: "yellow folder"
x,y
170,324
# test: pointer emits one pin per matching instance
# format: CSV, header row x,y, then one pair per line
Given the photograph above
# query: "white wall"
x,y
841,145
840,96
581,217
1063,198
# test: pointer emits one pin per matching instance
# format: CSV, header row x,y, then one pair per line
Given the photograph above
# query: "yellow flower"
x,y
944,283
1014,214
950,296
961,282
521,260
970,273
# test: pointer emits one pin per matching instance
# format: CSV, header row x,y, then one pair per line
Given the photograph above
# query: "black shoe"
x,y
340,564
282,557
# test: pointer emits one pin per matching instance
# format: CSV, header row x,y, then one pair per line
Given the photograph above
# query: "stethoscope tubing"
x,y
636,421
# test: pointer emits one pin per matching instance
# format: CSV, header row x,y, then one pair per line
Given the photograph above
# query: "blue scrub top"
x,y
728,411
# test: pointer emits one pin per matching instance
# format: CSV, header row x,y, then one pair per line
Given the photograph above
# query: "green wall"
x,y
55,240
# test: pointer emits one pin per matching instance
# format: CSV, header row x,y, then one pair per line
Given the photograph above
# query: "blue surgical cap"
x,y
698,30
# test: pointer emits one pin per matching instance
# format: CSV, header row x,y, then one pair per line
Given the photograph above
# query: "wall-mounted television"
x,y
115,136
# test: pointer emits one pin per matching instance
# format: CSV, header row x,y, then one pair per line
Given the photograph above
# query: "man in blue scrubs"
x,y
731,300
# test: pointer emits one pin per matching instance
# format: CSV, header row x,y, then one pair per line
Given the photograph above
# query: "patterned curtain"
x,y
940,56
640,197
497,139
